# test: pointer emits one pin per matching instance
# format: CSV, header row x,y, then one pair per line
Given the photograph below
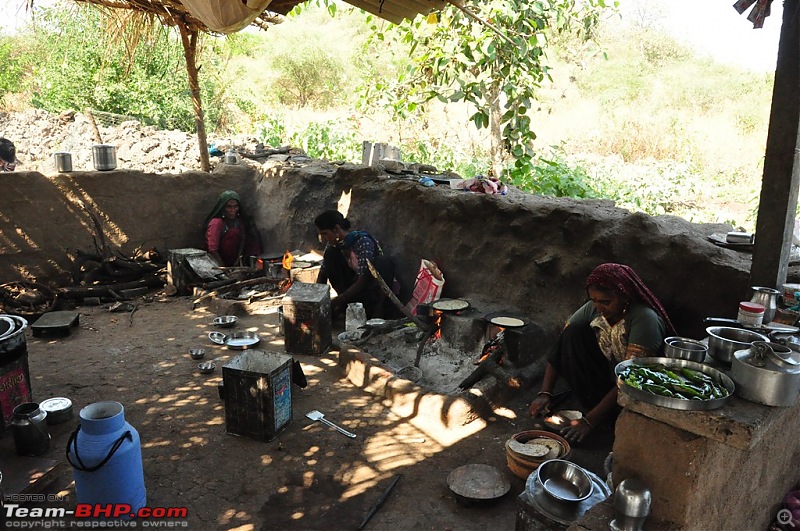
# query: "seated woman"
x,y
621,320
344,264
229,233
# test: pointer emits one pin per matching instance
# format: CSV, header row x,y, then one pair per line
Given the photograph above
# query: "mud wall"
x,y
518,252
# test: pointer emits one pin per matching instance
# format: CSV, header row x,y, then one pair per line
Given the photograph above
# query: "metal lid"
x,y
752,307
772,357
56,404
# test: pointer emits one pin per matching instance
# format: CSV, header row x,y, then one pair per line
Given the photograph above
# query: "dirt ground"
x,y
309,477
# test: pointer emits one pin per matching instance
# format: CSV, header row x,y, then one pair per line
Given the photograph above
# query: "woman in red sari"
x,y
621,320
229,234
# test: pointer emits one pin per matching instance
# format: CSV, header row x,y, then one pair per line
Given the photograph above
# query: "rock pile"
x,y
38,134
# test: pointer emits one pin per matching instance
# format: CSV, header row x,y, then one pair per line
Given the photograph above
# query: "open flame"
x,y
437,324
288,260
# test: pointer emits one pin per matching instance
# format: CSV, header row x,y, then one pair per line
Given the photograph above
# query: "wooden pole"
x,y
189,40
781,177
388,292
235,285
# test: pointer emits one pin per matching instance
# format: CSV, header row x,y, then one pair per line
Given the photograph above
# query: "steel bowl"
x,y
197,353
723,341
226,321
685,349
207,367
564,481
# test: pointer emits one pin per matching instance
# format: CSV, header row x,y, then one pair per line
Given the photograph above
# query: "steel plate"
x,y
242,340
478,482
675,403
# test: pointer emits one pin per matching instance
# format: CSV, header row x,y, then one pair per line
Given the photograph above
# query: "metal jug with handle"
x,y
768,297
29,425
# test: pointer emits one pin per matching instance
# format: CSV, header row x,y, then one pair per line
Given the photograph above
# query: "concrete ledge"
x,y
739,423
701,483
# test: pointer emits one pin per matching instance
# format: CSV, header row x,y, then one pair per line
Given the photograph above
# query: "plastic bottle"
x,y
355,317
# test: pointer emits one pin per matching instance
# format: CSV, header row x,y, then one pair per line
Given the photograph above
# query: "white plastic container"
x,y
751,313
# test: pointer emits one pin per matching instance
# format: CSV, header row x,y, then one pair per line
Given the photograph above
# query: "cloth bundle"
x,y
485,185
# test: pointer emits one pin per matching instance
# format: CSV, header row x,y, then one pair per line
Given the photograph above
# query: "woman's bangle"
x,y
586,420
546,393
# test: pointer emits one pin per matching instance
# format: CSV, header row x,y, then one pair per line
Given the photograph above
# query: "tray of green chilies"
x,y
713,399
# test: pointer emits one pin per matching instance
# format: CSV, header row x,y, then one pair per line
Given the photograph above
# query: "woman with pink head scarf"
x,y
622,319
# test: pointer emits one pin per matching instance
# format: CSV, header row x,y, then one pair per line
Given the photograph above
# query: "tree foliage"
x,y
493,57
80,63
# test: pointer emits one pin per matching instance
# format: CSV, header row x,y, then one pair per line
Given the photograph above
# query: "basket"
x,y
522,465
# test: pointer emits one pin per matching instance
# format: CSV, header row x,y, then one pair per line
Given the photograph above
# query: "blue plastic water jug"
x,y
106,457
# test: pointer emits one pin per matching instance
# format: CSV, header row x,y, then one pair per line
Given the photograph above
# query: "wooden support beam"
x,y
779,185
392,297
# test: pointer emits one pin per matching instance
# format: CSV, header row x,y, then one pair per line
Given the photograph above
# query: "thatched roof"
x,y
174,12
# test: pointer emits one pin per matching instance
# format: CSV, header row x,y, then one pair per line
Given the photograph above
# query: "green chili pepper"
x,y
630,380
696,376
688,390
658,390
655,377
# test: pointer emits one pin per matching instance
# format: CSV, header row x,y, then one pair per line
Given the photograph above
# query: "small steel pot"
x,y
104,157
62,162
723,341
767,373
685,349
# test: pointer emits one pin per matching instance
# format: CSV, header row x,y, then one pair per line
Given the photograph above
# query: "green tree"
x,y
307,76
490,54
84,58
14,64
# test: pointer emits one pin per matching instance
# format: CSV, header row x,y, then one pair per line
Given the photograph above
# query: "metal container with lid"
x,y
104,157
767,373
59,409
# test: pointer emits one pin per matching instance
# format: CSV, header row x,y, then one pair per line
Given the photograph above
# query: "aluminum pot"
x,y
104,157
767,373
62,161
723,341
685,349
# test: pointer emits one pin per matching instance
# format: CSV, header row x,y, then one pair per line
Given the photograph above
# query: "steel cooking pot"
x,y
685,349
767,373
62,161
723,341
104,157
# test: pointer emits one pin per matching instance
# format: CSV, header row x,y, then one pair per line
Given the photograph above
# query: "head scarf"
x,y
622,278
224,197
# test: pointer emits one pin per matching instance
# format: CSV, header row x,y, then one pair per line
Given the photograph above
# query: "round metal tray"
x,y
675,403
242,340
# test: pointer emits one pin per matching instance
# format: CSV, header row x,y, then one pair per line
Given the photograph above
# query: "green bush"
x,y
554,176
333,140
